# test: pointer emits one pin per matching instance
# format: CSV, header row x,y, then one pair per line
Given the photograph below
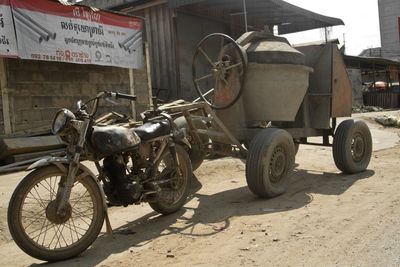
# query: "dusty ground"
x,y
325,219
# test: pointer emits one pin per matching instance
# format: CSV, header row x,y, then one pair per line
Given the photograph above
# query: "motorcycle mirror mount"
x,y
79,105
155,103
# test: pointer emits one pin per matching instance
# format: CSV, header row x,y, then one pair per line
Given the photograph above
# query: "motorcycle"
x,y
58,210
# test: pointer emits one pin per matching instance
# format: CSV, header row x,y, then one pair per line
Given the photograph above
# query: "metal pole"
x,y
132,92
245,15
326,35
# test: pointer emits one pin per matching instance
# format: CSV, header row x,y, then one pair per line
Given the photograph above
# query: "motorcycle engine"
x,y
121,190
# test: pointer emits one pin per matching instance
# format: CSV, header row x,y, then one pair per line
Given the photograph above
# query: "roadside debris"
x,y
170,254
16,153
362,109
21,149
389,121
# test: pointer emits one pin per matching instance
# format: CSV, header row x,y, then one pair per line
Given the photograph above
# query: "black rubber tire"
x,y
296,148
347,132
263,148
164,208
35,250
196,153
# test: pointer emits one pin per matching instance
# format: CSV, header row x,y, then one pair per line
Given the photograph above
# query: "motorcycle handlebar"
x,y
106,94
123,96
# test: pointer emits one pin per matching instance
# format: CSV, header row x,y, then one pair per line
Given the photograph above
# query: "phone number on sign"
x,y
61,58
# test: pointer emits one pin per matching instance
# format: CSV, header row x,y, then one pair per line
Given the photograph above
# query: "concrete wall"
x,y
1,117
37,89
356,80
389,15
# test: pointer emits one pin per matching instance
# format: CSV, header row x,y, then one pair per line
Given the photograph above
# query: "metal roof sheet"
x,y
108,4
288,17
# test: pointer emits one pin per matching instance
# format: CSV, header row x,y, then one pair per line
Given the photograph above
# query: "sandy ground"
x,y
325,219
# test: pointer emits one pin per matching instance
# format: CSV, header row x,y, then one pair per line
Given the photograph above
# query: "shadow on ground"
x,y
231,203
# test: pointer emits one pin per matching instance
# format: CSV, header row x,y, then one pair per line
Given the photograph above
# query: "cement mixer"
x,y
260,98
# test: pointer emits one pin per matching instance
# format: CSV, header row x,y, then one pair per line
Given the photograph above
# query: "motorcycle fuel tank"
x,y
108,140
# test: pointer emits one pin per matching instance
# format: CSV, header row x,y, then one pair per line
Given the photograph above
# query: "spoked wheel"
x,y
352,146
41,231
174,183
269,163
218,68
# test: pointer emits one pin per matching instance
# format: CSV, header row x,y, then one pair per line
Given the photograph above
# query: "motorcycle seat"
x,y
151,130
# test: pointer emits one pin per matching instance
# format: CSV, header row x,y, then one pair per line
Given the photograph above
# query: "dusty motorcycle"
x,y
58,209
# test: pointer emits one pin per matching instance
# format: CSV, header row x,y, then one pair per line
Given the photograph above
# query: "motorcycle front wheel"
x,y
39,230
175,192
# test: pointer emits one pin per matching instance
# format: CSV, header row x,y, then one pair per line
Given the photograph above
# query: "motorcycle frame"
x,y
71,166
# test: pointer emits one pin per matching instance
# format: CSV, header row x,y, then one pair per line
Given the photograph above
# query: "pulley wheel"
x,y
218,68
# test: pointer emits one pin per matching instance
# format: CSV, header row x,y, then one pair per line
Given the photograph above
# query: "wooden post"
x,y
5,98
148,69
147,55
132,92
398,75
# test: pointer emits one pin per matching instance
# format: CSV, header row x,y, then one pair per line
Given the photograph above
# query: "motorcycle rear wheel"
x,y
37,228
173,196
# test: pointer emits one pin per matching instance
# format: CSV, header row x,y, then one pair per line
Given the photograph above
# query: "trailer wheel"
x,y
270,162
296,148
352,146
196,153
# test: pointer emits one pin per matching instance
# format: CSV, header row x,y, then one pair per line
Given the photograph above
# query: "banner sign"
x,y
8,43
48,30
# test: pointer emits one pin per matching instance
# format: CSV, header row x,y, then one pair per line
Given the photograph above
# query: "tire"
x,y
270,162
296,148
161,203
352,146
53,226
196,153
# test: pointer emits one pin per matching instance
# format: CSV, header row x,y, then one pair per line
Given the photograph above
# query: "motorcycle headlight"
x,y
61,120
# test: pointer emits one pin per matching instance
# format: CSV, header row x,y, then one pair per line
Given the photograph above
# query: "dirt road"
x,y
325,219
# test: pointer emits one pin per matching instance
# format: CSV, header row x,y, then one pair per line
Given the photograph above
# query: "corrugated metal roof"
x,y
288,17
178,3
372,60
108,4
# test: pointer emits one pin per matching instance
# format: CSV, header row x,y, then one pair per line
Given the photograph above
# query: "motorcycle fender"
x,y
60,163
185,142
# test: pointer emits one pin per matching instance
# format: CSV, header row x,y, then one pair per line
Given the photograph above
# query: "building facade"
x,y
389,17
174,28
31,92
